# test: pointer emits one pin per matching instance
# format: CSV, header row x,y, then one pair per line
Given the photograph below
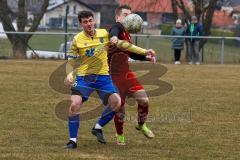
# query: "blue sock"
x,y
106,117
73,125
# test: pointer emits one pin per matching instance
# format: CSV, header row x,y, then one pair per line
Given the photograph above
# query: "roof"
x,y
100,2
236,9
155,6
56,3
222,18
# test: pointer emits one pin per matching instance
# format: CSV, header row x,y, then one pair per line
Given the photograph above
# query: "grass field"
x,y
198,119
212,51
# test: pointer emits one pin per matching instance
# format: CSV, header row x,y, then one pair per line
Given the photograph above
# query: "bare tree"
x,y
174,8
19,42
203,10
182,6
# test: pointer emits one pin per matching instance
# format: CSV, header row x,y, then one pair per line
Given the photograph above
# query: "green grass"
x,y
5,48
212,50
198,119
46,42
37,42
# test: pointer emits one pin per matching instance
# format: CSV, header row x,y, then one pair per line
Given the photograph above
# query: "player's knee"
x,y
115,102
75,106
143,101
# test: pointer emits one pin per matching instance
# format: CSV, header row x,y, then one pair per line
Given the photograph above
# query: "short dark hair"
x,y
84,14
118,10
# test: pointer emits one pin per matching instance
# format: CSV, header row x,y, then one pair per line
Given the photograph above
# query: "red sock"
x,y
142,114
119,120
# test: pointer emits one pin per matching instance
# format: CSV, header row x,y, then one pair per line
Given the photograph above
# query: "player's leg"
x,y
143,103
80,93
73,121
114,101
143,108
119,122
112,105
137,91
107,115
108,93
120,115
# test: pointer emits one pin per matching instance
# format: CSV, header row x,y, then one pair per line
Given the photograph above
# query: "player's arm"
x,y
137,53
148,53
126,46
137,56
122,44
72,63
72,57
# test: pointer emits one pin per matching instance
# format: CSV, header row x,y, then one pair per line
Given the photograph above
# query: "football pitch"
x,y
198,119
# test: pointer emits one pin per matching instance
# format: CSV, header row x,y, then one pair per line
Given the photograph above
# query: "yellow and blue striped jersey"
x,y
92,53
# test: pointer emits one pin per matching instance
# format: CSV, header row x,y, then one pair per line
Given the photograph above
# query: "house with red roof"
x,y
222,19
160,11
153,11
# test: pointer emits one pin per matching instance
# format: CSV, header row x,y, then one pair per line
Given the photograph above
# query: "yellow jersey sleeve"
x,y
72,54
126,46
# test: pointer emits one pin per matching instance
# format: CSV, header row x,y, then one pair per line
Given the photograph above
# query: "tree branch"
x,y
205,8
38,17
209,13
6,19
198,5
194,2
174,9
179,5
21,16
186,12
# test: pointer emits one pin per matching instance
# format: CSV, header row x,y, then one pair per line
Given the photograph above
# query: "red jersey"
x,y
117,59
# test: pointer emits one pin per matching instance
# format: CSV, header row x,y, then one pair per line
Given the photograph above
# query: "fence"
x,y
217,49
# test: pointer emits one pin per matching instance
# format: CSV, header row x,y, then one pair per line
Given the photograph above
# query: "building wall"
x,y
107,14
59,12
154,18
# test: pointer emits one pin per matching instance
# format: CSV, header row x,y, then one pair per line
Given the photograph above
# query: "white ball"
x,y
133,23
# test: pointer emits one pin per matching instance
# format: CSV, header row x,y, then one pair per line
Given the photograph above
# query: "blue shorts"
x,y
85,85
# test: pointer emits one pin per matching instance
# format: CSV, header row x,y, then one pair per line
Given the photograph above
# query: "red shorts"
x,y
126,83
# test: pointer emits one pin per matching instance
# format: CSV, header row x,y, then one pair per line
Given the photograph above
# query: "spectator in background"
x,y
193,29
177,42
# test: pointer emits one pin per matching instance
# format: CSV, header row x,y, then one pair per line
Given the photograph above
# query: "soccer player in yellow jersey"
x,y
90,47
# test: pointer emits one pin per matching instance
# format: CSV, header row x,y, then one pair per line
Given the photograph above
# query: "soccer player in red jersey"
x,y
124,78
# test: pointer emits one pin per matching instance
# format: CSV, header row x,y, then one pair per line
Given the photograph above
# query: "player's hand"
x,y
151,59
69,80
114,40
150,52
151,55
